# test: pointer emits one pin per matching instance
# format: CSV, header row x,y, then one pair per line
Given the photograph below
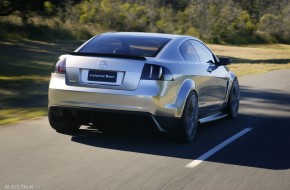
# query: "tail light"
x,y
59,67
156,72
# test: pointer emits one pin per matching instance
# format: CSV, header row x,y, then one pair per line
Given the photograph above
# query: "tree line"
x,y
215,21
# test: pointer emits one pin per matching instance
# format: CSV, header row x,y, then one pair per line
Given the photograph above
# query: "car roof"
x,y
161,35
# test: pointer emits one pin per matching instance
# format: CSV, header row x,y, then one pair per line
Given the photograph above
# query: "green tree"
x,y
26,8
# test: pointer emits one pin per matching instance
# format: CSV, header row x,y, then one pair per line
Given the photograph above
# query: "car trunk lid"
x,y
95,71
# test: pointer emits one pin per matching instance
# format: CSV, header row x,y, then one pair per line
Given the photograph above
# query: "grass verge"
x,y
26,66
251,69
255,59
15,115
24,76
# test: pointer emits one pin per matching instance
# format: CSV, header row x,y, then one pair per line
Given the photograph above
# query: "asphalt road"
x,y
33,156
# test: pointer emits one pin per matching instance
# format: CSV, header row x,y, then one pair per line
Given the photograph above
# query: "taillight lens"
x,y
59,67
156,72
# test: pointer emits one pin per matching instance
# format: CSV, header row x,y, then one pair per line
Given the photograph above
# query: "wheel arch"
x,y
185,89
232,77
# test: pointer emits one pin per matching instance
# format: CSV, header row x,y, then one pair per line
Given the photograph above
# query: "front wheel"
x,y
234,100
189,120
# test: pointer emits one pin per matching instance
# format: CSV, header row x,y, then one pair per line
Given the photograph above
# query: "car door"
x,y
215,86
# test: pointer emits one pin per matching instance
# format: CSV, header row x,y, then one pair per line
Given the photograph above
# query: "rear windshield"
x,y
140,46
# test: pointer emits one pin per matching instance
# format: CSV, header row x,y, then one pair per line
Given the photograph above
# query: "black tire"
x,y
189,120
234,100
62,122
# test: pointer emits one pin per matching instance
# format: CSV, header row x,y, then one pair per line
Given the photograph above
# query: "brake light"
x,y
156,72
60,66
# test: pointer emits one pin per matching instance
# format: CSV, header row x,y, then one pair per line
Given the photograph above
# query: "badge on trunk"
x,y
103,65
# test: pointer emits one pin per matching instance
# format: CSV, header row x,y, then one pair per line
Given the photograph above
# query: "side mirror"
x,y
224,61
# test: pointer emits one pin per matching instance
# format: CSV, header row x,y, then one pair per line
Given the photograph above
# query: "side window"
x,y
188,52
203,52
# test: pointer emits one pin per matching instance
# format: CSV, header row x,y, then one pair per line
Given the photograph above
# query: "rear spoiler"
x,y
108,55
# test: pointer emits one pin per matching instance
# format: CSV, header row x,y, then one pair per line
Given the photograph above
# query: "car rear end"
x,y
111,81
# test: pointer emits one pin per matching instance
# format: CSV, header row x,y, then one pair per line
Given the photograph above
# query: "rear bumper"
x,y
100,118
156,98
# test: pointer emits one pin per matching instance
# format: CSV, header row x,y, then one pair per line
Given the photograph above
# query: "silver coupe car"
x,y
115,80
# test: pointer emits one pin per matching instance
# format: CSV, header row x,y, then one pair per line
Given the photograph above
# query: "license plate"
x,y
102,76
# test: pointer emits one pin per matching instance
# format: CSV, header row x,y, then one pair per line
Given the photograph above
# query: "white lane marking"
x,y
206,155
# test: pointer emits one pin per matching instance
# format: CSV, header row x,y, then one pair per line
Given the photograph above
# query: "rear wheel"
x,y
189,120
234,100
62,122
